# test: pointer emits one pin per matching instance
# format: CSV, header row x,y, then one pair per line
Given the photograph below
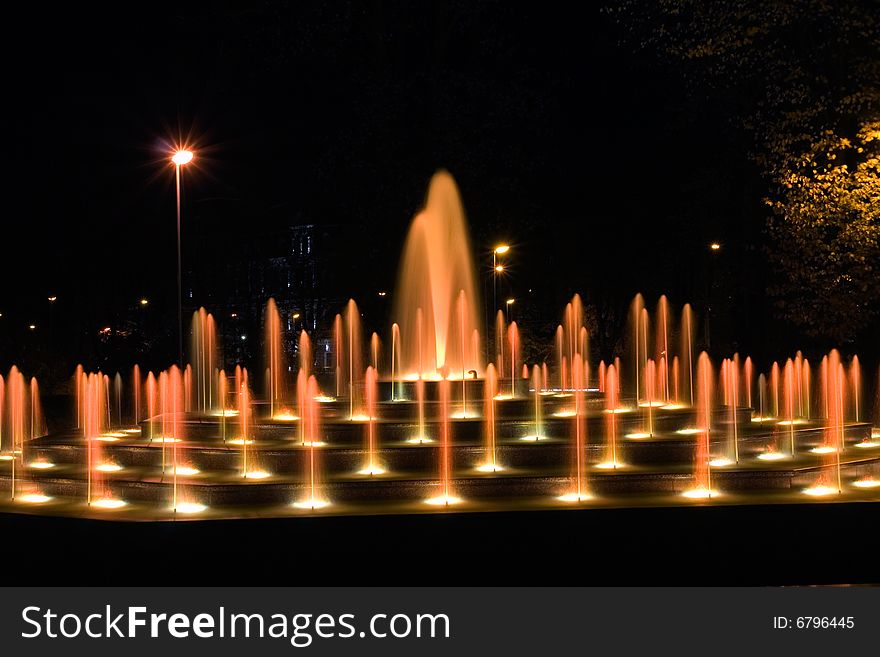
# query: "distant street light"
x,y
144,302
715,246
32,326
180,158
53,299
509,303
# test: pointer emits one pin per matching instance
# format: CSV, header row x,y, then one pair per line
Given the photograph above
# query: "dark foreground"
x,y
791,544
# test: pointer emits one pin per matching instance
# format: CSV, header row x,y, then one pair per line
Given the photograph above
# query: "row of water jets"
x,y
783,397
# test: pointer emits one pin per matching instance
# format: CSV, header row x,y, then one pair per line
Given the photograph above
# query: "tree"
x,y
826,234
802,77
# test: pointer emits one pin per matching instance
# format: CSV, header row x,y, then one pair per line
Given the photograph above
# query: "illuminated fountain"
x,y
490,390
422,398
436,267
703,455
446,496
372,466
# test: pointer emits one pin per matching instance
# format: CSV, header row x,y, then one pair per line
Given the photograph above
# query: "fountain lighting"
x,y
720,462
788,423
229,412
419,440
772,456
164,439
566,413
866,444
502,397
314,443
652,404
107,438
108,467
610,465
443,500
311,504
131,432
574,497
240,441
824,449
700,494
371,470
533,438
6,457
762,418
359,418
324,399
820,490
688,431
108,503
257,474
489,467
41,465
285,417
190,507
618,411
875,433
673,407
868,482
113,434
460,415
637,435
186,471
34,498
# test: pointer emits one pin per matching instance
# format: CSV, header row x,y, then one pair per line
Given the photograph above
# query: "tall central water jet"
x,y
437,265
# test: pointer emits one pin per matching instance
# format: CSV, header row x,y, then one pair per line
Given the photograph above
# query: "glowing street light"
x,y
144,301
53,299
180,158
502,249
715,246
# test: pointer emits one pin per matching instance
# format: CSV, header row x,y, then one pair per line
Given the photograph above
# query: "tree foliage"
x,y
802,77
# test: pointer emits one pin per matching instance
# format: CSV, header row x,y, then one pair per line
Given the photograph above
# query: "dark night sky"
x,y
594,163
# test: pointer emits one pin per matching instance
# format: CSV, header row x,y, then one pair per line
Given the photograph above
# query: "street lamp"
x,y
509,304
715,246
497,268
180,158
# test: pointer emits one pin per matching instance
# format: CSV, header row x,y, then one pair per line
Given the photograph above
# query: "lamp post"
x,y
501,249
714,248
180,158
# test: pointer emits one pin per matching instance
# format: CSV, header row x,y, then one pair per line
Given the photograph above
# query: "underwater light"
x,y
41,465
190,507
109,503
311,503
34,498
371,470
820,490
257,474
574,497
699,494
443,500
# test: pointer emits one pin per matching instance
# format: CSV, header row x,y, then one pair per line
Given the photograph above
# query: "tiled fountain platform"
x,y
651,465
